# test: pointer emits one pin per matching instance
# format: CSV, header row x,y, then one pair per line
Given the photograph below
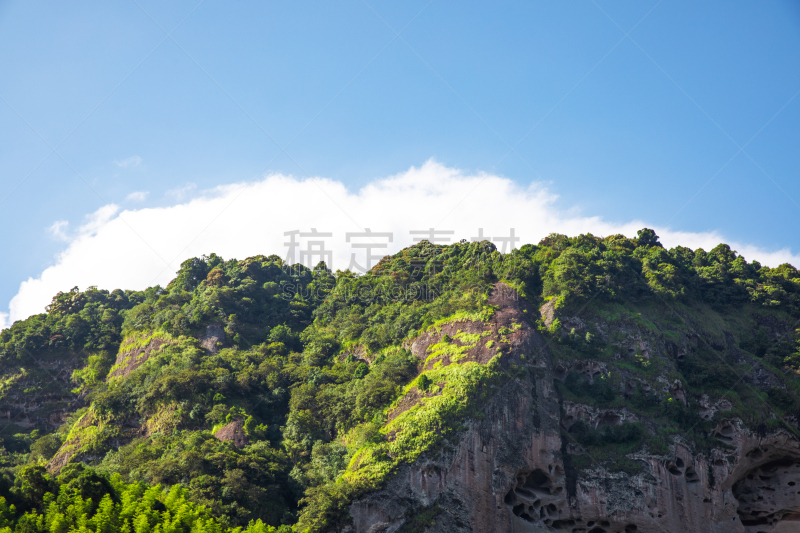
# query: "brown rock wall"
x,y
129,360
233,432
506,472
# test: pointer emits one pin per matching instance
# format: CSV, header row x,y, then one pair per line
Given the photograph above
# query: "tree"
x,y
647,237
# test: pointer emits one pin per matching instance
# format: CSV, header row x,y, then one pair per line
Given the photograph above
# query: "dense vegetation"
x,y
313,363
80,499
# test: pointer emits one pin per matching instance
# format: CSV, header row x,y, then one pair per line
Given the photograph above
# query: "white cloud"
x,y
131,162
57,230
138,248
137,196
181,193
4,323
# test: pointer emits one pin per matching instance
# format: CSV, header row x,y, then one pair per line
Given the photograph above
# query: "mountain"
x,y
582,384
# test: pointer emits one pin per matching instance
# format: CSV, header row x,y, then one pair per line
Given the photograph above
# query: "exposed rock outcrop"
x,y
41,396
71,447
214,338
509,470
233,432
131,359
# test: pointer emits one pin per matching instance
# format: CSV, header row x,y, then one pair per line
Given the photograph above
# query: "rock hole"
x,y
691,475
755,454
725,435
679,462
538,481
766,492
610,419
522,512
525,493
674,470
630,528
523,497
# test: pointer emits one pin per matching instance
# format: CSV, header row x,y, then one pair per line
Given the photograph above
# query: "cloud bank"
x,y
137,248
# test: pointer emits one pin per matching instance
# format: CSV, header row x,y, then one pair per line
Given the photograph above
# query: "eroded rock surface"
x,y
233,432
41,397
214,338
768,496
129,360
509,471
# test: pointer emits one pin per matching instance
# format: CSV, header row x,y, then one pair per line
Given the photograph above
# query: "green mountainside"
x,y
258,396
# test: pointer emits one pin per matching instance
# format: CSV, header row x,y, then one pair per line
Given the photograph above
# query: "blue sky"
x,y
678,114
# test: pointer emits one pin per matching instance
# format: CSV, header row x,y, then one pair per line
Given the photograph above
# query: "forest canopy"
x,y
239,395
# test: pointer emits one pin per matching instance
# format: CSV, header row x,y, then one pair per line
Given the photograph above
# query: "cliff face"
x,y
90,445
511,469
40,395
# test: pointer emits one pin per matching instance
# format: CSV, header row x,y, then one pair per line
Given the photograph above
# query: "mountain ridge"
x,y
342,388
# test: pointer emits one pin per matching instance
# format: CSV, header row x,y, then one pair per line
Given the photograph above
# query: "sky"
x,y
136,134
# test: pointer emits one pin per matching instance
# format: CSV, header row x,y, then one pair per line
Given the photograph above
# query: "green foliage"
x,y
644,402
249,298
332,401
420,521
46,447
625,434
255,430
418,430
75,321
783,399
609,444
81,499
424,383
599,391
239,485
618,269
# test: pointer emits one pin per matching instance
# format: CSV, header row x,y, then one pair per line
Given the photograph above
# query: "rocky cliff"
x,y
40,394
582,384
513,469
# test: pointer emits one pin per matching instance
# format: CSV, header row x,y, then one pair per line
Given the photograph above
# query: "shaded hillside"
x,y
299,397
